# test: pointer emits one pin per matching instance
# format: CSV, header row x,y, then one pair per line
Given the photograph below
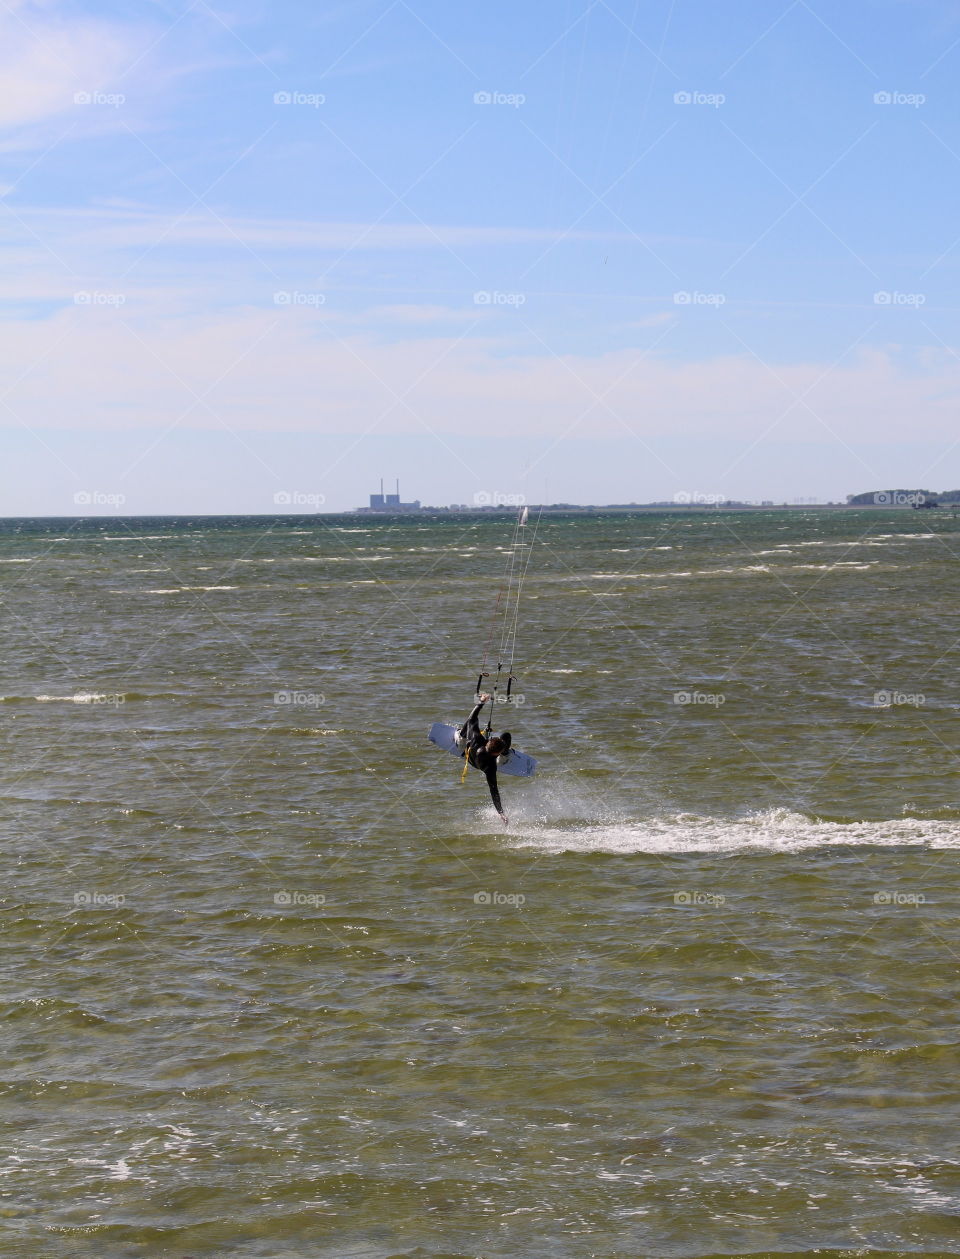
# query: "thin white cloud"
x,y
289,370
68,75
46,58
118,227
409,313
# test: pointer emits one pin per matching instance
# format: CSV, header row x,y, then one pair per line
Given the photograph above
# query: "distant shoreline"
x,y
481,513
701,509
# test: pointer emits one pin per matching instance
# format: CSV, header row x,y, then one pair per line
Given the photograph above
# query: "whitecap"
x,y
92,697
772,830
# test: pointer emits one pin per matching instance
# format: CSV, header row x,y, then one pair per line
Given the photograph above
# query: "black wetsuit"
x,y
474,741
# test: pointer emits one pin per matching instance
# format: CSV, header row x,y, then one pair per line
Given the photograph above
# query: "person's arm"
x,y
491,774
471,726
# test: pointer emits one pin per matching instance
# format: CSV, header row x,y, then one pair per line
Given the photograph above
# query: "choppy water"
x,y
276,985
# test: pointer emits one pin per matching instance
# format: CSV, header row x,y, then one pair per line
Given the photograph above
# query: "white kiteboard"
x,y
515,762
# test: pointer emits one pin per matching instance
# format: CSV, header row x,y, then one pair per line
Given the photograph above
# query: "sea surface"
x,y
277,986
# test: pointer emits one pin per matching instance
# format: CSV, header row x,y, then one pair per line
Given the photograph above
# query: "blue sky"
x,y
594,251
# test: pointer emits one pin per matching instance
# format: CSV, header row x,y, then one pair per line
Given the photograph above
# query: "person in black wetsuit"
x,y
482,752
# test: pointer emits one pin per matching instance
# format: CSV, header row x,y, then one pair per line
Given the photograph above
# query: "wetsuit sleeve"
x,y
491,775
470,729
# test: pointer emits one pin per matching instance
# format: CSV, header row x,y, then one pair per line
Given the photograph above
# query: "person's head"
x,y
496,746
506,738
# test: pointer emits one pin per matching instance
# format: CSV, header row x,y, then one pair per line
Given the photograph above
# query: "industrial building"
x,y
389,502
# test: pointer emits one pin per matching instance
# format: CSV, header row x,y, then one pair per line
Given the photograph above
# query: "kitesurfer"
x,y
483,752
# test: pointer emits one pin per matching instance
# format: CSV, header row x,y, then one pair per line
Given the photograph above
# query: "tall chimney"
x,y
398,488
381,487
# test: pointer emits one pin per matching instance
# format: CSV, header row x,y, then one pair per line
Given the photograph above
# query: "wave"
x,y
859,565
85,697
906,535
110,698
774,830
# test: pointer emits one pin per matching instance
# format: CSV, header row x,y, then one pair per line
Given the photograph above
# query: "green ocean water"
x,y
276,985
